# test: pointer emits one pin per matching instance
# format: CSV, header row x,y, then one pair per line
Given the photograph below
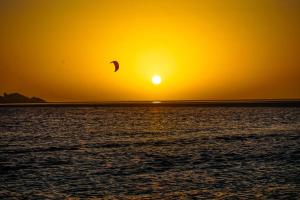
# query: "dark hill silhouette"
x,y
19,98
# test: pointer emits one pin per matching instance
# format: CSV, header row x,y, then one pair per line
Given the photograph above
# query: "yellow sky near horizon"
x,y
60,50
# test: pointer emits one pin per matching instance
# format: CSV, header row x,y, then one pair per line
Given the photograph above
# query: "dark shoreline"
x,y
248,103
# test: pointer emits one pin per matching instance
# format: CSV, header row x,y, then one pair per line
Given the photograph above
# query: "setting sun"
x,y
156,79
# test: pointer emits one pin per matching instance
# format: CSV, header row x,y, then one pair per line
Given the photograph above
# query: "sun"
x,y
156,79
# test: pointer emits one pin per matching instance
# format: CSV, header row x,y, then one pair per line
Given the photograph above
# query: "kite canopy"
x,y
116,64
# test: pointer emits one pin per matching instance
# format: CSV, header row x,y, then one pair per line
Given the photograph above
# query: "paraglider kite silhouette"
x,y
116,64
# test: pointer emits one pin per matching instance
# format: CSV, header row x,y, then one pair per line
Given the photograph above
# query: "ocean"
x,y
179,152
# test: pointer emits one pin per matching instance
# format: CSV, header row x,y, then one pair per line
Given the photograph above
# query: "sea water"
x,y
150,152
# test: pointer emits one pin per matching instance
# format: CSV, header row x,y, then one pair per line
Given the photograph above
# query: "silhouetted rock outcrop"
x,y
19,98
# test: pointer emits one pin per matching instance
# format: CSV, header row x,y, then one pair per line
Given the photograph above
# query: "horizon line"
x,y
166,103
185,100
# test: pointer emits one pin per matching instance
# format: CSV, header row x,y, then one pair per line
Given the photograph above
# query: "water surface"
x,y
150,152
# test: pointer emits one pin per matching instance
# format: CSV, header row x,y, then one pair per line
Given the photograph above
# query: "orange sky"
x,y
60,50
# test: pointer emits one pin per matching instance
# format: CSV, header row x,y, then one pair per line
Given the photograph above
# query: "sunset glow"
x,y
60,50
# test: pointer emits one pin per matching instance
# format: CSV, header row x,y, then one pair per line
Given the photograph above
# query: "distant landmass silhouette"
x,y
19,98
